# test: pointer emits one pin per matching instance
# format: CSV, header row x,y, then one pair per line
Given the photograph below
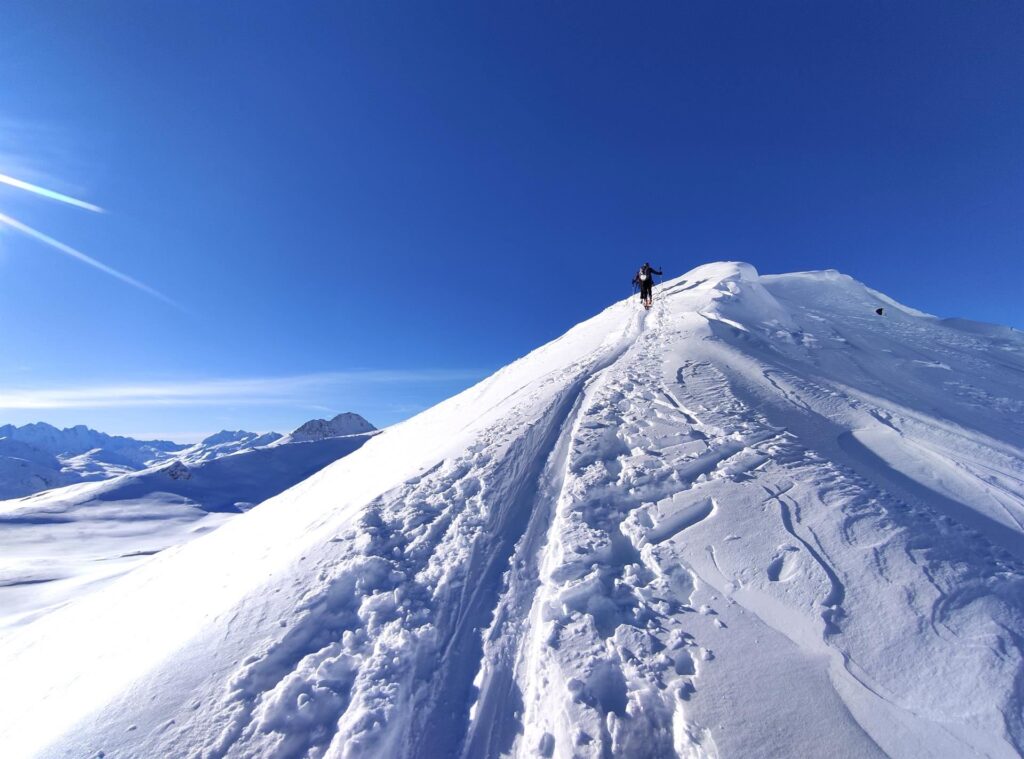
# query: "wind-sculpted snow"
x,y
758,520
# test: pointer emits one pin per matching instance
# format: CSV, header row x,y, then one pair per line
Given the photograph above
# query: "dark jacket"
x,y
648,270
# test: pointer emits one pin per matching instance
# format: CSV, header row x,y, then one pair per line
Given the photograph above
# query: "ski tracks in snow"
x,y
609,663
385,656
678,494
558,590
675,557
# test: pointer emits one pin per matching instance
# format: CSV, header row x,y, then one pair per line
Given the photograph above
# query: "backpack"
x,y
642,275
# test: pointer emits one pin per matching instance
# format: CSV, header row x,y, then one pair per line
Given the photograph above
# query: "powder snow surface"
x,y
758,520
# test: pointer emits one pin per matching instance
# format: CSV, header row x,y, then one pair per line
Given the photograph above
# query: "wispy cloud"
x,y
305,389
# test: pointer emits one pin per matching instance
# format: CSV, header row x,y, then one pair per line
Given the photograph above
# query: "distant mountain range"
x,y
39,456
63,539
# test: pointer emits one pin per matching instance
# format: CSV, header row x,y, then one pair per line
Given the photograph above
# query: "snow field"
x,y
63,543
756,520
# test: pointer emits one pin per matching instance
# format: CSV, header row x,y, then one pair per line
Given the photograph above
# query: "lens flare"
x,y
51,194
77,254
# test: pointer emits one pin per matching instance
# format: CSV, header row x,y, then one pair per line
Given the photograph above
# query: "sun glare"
x,y
12,223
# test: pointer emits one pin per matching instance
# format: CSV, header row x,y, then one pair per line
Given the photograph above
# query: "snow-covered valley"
x,y
757,520
59,544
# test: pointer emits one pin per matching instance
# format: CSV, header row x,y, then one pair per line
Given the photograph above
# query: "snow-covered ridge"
x,y
758,520
227,442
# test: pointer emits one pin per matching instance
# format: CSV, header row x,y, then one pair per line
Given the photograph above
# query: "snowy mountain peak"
x,y
346,423
178,470
757,519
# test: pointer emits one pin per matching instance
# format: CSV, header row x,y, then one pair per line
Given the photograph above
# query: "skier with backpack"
x,y
645,280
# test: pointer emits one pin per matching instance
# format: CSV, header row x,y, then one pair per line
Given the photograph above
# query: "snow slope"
x,y
26,469
758,520
62,542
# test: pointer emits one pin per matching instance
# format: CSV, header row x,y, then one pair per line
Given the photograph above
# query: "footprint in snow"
x,y
785,564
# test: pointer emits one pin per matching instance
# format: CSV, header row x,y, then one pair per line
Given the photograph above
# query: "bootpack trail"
x,y
755,519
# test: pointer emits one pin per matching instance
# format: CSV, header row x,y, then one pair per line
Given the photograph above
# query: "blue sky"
x,y
367,206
